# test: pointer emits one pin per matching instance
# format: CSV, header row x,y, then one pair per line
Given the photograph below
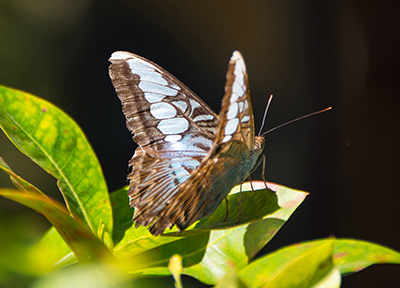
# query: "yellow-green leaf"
x,y
54,141
352,255
86,246
300,265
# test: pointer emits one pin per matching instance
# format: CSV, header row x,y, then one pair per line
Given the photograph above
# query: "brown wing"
x,y
237,120
174,128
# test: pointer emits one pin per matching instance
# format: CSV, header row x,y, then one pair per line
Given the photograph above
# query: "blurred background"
x,y
309,54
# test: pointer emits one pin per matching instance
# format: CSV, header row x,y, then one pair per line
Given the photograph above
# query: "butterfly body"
x,y
188,158
229,166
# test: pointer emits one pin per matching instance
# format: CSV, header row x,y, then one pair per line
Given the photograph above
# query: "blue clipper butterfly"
x,y
188,158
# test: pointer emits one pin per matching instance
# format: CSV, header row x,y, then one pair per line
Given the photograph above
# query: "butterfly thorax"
x,y
252,162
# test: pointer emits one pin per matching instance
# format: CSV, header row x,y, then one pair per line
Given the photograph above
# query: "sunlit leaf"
x,y
300,265
58,253
230,280
53,140
352,255
327,277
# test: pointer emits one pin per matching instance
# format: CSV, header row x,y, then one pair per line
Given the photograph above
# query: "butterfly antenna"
x,y
265,114
294,120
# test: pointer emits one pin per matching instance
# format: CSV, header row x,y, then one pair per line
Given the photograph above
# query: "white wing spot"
x,y
237,89
193,138
173,126
173,138
162,110
145,63
121,55
239,68
173,85
152,76
192,163
180,172
135,66
246,118
227,138
236,56
204,117
240,80
241,106
239,75
232,111
234,97
152,98
181,105
194,104
231,126
156,88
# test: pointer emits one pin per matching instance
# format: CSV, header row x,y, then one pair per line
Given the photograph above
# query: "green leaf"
x,y
326,277
52,245
86,246
255,205
301,265
18,182
230,280
58,254
122,213
54,141
209,255
351,255
61,254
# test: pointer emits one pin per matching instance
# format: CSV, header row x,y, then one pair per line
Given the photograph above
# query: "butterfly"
x,y
188,158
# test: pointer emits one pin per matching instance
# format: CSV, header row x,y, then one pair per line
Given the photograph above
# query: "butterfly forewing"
x,y
174,128
237,120
159,109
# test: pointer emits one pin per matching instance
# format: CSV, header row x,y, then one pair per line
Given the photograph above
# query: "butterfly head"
x,y
259,144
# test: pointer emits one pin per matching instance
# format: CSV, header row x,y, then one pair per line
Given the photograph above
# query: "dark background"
x,y
309,54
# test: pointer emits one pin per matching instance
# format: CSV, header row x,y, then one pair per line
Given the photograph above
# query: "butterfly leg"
x,y
251,183
263,170
263,160
226,214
